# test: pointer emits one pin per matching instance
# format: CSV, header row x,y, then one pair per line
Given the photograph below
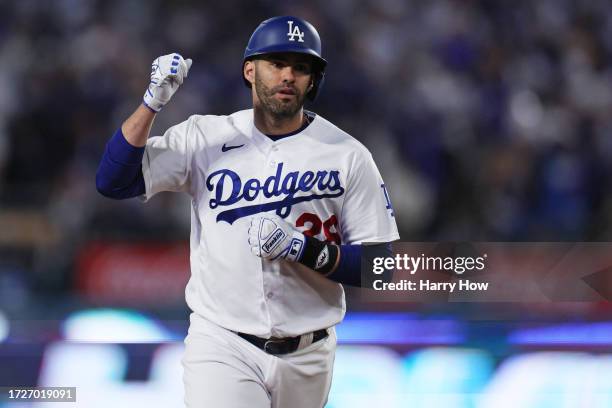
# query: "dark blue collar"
x,y
309,118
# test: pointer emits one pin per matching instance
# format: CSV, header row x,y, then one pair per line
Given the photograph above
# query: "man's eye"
x,y
305,68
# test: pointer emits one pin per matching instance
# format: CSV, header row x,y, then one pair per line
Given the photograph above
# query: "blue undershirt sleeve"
x,y
119,174
348,271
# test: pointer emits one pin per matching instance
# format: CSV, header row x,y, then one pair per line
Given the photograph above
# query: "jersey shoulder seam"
x,y
345,135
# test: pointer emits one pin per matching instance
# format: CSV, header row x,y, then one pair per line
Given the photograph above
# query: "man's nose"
x,y
287,74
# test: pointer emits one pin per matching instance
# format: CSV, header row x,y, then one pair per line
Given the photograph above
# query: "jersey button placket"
x,y
269,269
273,161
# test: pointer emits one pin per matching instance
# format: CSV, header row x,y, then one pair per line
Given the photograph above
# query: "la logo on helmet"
x,y
294,32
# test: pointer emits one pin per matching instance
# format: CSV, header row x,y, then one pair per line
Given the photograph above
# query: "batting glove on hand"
x,y
167,73
271,237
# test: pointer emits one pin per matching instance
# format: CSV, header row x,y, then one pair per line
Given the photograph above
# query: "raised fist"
x,y
271,237
167,73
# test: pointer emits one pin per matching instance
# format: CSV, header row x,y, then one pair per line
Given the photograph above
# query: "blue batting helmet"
x,y
288,34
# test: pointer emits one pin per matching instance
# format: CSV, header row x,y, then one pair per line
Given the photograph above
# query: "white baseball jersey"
x,y
320,180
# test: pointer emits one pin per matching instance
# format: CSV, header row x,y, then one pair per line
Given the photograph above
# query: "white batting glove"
x,y
271,237
167,73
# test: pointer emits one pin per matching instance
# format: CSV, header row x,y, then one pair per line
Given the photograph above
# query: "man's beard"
x,y
274,106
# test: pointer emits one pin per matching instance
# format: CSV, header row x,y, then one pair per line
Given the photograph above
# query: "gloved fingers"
x,y
175,61
253,239
253,230
179,67
186,66
171,66
255,247
155,67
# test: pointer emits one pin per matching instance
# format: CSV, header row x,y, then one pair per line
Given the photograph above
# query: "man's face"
x,y
282,82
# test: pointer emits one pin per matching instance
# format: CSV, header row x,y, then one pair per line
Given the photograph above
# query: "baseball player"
x,y
281,200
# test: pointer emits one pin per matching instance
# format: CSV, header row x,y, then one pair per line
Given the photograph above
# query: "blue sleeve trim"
x,y
119,174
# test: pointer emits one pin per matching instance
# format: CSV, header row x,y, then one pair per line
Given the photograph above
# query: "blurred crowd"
x,y
490,120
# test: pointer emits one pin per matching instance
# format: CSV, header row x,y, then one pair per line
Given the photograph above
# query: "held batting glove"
x,y
271,237
167,73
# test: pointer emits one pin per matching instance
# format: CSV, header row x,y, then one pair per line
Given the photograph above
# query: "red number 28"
x,y
316,224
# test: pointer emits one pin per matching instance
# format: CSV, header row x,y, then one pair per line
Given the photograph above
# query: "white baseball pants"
x,y
222,370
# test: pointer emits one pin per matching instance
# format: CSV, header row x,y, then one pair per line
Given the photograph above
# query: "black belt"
x,y
284,345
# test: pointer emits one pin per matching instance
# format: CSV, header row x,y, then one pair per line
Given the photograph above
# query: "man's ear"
x,y
311,85
248,70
